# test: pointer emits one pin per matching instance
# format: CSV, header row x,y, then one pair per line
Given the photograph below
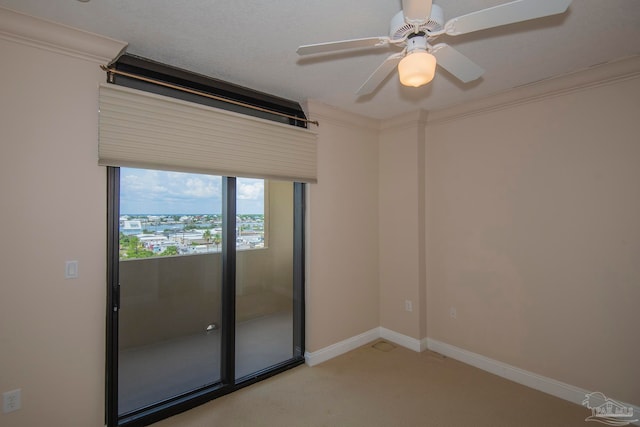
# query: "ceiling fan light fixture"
x,y
417,68
419,23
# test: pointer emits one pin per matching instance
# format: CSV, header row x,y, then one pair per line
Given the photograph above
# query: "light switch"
x,y
71,270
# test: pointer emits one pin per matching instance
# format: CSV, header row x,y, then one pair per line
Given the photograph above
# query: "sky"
x,y
144,191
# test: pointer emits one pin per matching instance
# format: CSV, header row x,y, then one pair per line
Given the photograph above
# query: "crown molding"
x,y
48,35
414,118
318,110
594,76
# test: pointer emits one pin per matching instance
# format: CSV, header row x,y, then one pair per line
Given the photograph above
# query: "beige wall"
x,y
342,273
52,330
534,236
401,230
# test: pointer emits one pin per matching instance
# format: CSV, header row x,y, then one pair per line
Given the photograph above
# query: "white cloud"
x,y
201,187
250,189
142,181
163,192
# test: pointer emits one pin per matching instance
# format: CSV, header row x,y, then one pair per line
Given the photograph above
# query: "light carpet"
x,y
382,384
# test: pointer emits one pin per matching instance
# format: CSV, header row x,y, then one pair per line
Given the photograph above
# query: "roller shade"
x,y
146,130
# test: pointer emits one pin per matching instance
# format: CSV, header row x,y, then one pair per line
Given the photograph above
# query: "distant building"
x,y
132,225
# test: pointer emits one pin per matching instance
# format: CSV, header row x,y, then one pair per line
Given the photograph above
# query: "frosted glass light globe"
x,y
417,68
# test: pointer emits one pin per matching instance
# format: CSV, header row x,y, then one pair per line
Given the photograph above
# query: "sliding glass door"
x,y
206,288
264,279
170,285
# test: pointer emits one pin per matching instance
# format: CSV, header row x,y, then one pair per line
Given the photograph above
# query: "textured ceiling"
x,y
253,43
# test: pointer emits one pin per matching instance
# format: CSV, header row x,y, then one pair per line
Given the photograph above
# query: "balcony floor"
x,y
149,374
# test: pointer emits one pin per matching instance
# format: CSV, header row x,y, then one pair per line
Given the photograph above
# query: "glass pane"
x,y
264,274
170,285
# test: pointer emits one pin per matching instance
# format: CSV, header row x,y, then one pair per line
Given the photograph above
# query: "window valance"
x,y
146,130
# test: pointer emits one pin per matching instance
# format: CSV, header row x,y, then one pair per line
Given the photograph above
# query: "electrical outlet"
x,y
453,313
408,305
12,400
71,270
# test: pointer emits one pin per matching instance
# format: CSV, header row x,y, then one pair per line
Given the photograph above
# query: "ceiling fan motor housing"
x,y
399,29
416,42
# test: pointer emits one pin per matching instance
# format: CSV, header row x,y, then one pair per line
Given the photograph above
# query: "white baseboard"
x,y
512,373
324,354
401,339
520,376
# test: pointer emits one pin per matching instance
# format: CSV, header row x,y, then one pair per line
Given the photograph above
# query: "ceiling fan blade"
x,y
310,49
416,11
508,13
456,63
380,74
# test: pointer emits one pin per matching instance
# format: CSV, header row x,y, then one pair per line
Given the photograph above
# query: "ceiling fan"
x,y
418,25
